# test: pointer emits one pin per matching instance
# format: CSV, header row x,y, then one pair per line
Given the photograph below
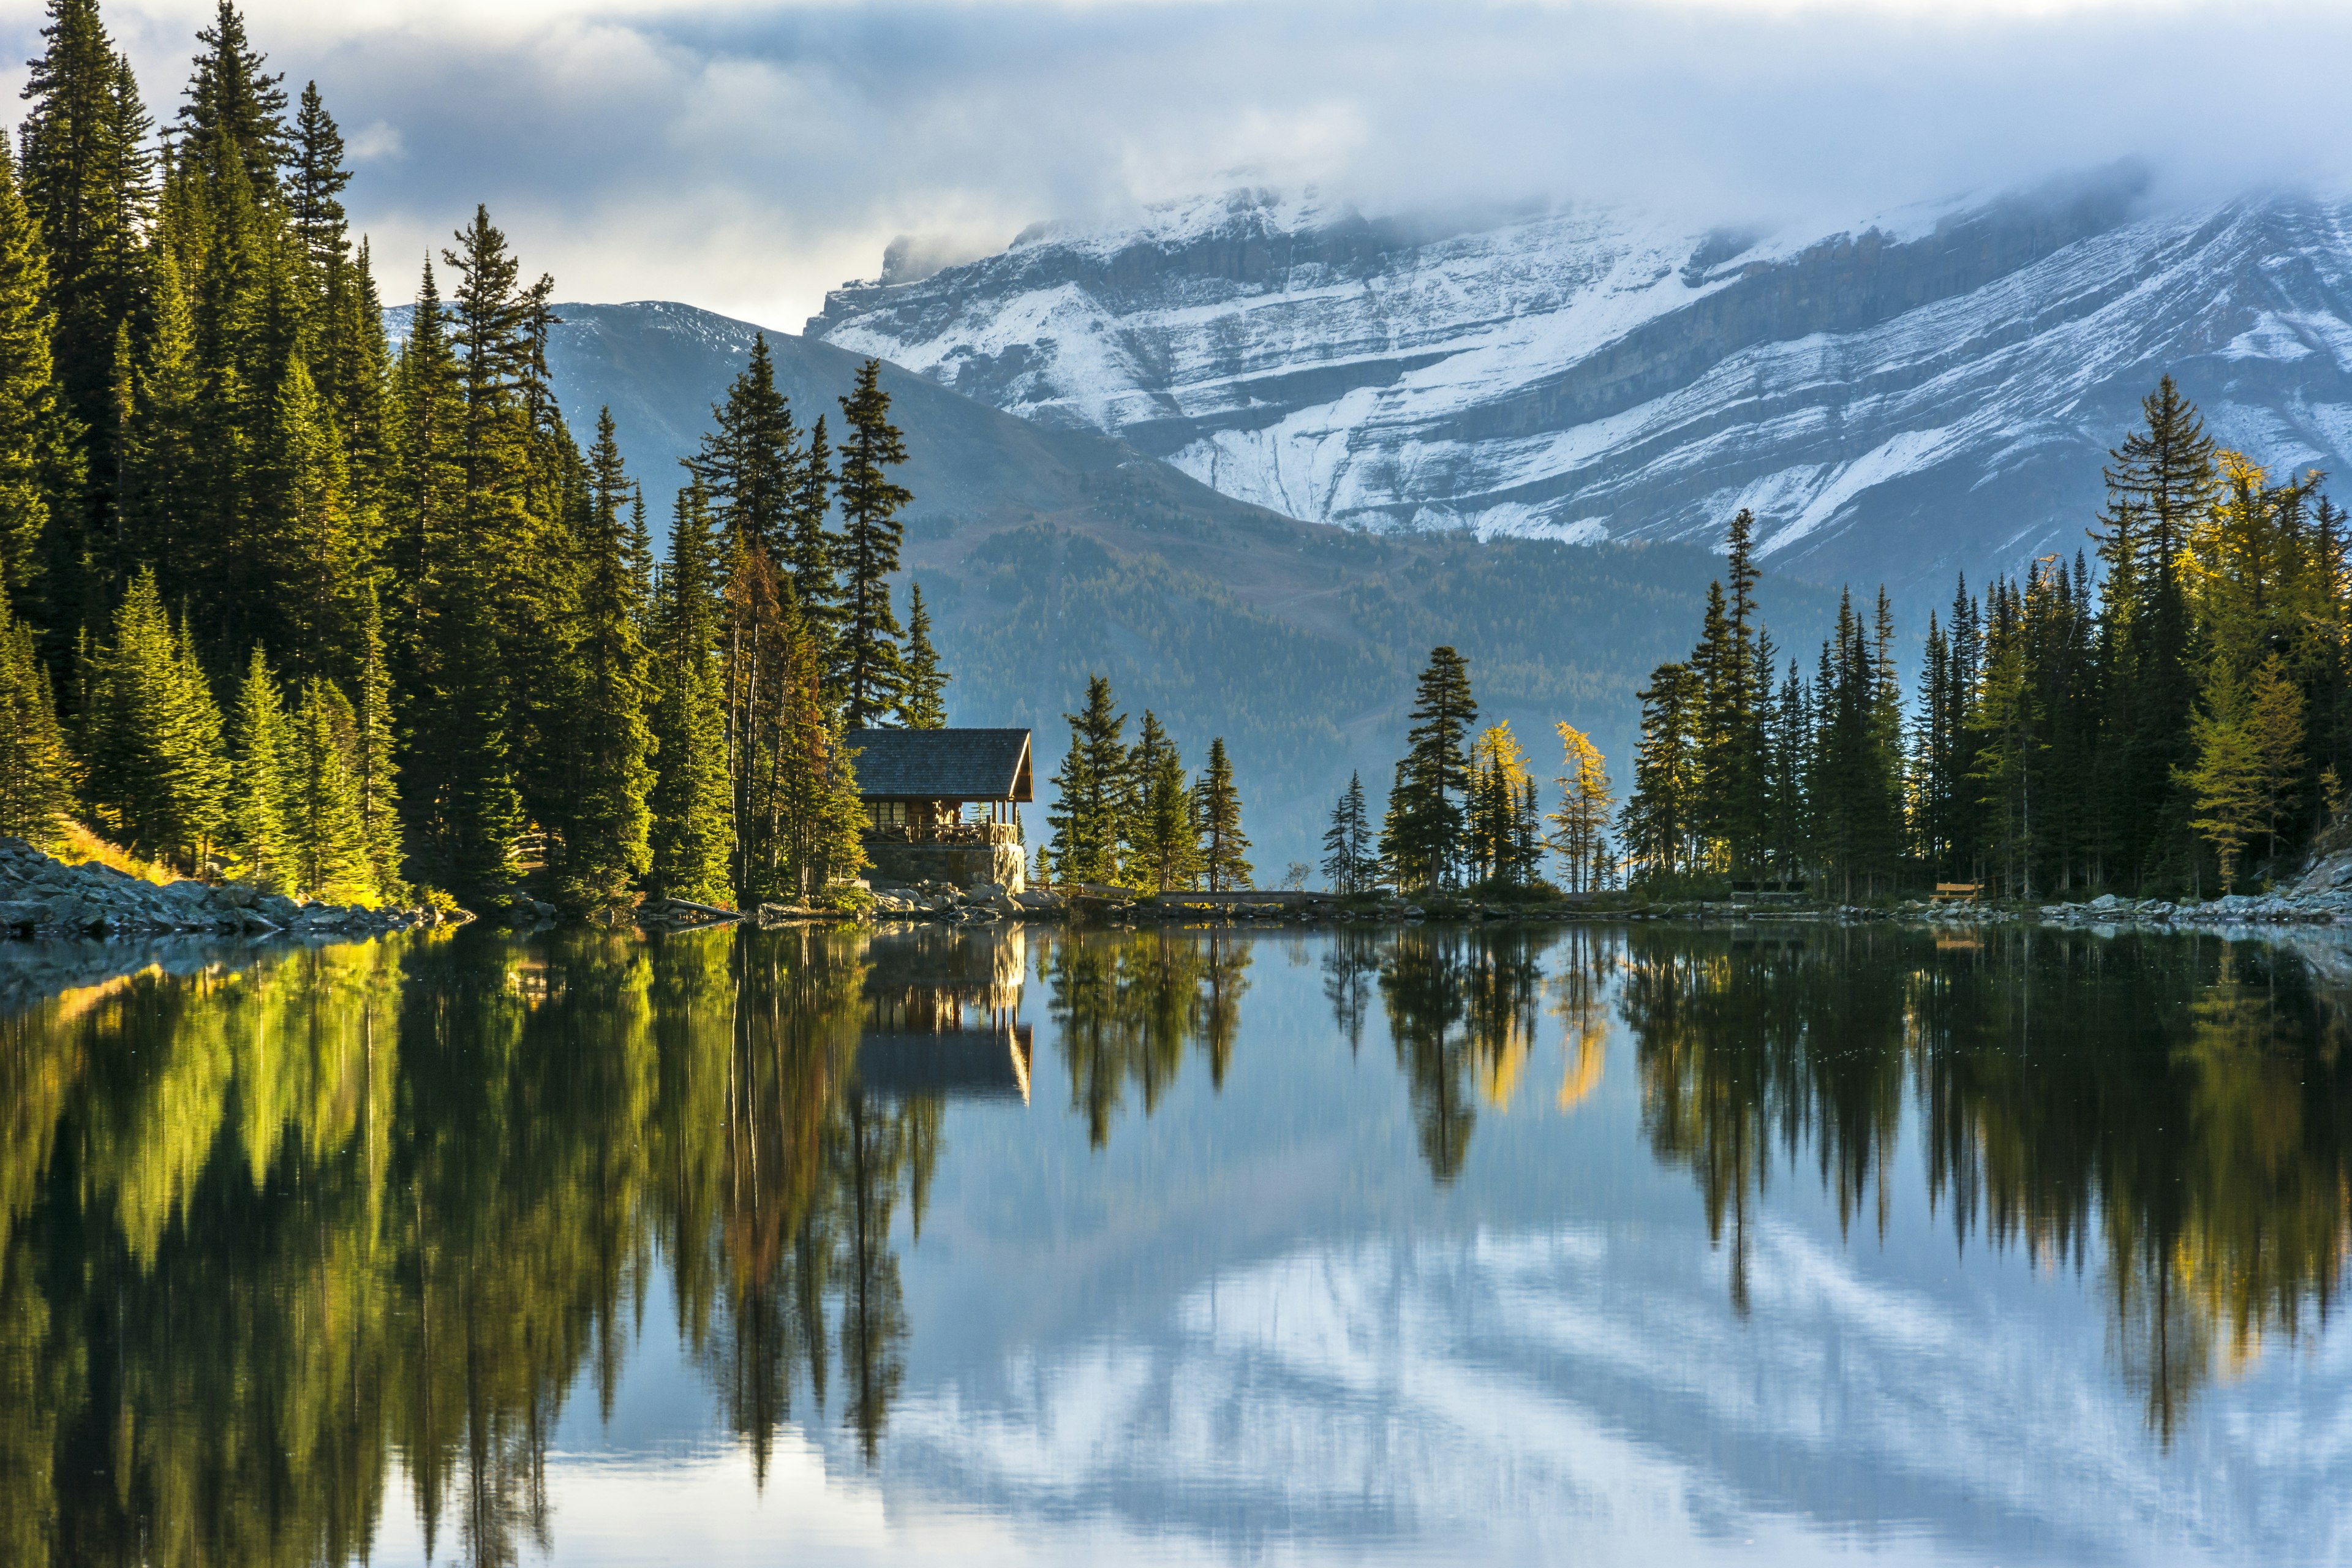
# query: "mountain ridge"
x,y
1931,392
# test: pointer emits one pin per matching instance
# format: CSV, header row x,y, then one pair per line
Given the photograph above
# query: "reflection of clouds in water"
x,y
1458,1391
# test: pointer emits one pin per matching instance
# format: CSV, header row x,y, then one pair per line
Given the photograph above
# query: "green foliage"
x,y
1421,839
1096,793
159,775
1218,810
606,847
1164,848
38,468
692,837
1350,863
871,668
923,703
326,834
37,770
262,753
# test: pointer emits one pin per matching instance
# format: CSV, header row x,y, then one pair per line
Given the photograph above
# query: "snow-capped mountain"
x,y
1902,397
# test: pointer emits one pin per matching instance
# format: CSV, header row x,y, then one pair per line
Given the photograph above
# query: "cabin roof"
x,y
942,764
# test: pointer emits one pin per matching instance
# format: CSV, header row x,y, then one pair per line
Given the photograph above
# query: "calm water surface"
x,y
1586,1245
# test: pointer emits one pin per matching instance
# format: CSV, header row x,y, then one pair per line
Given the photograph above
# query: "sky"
x,y
745,157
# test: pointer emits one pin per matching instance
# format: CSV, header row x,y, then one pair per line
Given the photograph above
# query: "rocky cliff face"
x,y
1928,392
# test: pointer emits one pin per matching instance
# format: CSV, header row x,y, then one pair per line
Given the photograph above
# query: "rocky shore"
x,y
41,896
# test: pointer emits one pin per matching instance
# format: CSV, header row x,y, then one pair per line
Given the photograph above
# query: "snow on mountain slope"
x,y
1912,396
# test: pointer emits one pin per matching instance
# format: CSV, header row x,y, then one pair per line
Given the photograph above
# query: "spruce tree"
x,y
261,751
1350,863
234,108
159,771
88,179
39,469
308,599
1163,855
1423,840
692,836
315,180
923,703
377,770
1218,815
605,847
1097,791
325,832
1659,821
36,770
870,662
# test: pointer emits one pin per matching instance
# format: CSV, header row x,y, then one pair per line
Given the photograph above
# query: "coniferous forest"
x,y
367,622
2166,713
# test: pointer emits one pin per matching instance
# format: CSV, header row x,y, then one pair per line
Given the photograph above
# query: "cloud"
x,y
745,157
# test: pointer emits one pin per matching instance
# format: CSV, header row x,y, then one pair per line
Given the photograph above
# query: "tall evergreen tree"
x,y
1218,808
605,843
1422,840
260,753
1350,860
159,772
1097,791
1164,853
923,703
326,835
1659,823
89,180
40,468
234,108
36,770
692,836
871,664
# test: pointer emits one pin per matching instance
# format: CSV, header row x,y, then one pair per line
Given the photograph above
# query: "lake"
x,y
1583,1243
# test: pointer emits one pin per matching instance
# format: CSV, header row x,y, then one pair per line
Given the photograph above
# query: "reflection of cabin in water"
x,y
941,1015
944,805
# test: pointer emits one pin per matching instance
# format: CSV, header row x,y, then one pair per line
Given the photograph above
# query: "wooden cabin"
x,y
944,805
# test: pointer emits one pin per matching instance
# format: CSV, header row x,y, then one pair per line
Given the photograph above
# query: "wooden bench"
x,y
1958,892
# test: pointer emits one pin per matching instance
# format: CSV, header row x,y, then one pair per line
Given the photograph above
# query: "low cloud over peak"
x,y
748,157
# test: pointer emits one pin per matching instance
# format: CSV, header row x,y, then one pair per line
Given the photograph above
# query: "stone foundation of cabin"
x,y
958,864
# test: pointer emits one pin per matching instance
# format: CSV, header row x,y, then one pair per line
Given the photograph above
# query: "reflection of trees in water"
x,y
2177,1106
1128,1004
1462,1016
266,1230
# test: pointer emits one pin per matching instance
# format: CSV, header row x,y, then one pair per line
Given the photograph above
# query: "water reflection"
x,y
282,1228
2170,1111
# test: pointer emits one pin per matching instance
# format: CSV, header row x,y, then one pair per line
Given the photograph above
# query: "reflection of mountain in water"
x,y
2177,1111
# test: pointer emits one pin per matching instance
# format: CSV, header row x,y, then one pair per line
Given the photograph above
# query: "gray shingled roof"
x,y
942,764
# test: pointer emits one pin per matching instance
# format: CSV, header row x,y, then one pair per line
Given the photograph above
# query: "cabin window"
x,y
891,814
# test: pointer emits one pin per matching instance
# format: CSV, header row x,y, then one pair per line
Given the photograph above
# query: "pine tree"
x,y
309,596
692,838
1349,862
88,179
1164,853
1097,790
1421,839
377,771
870,662
1495,795
1586,801
159,773
315,182
39,475
325,832
1658,824
923,704
261,752
37,770
605,843
233,107
1219,814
